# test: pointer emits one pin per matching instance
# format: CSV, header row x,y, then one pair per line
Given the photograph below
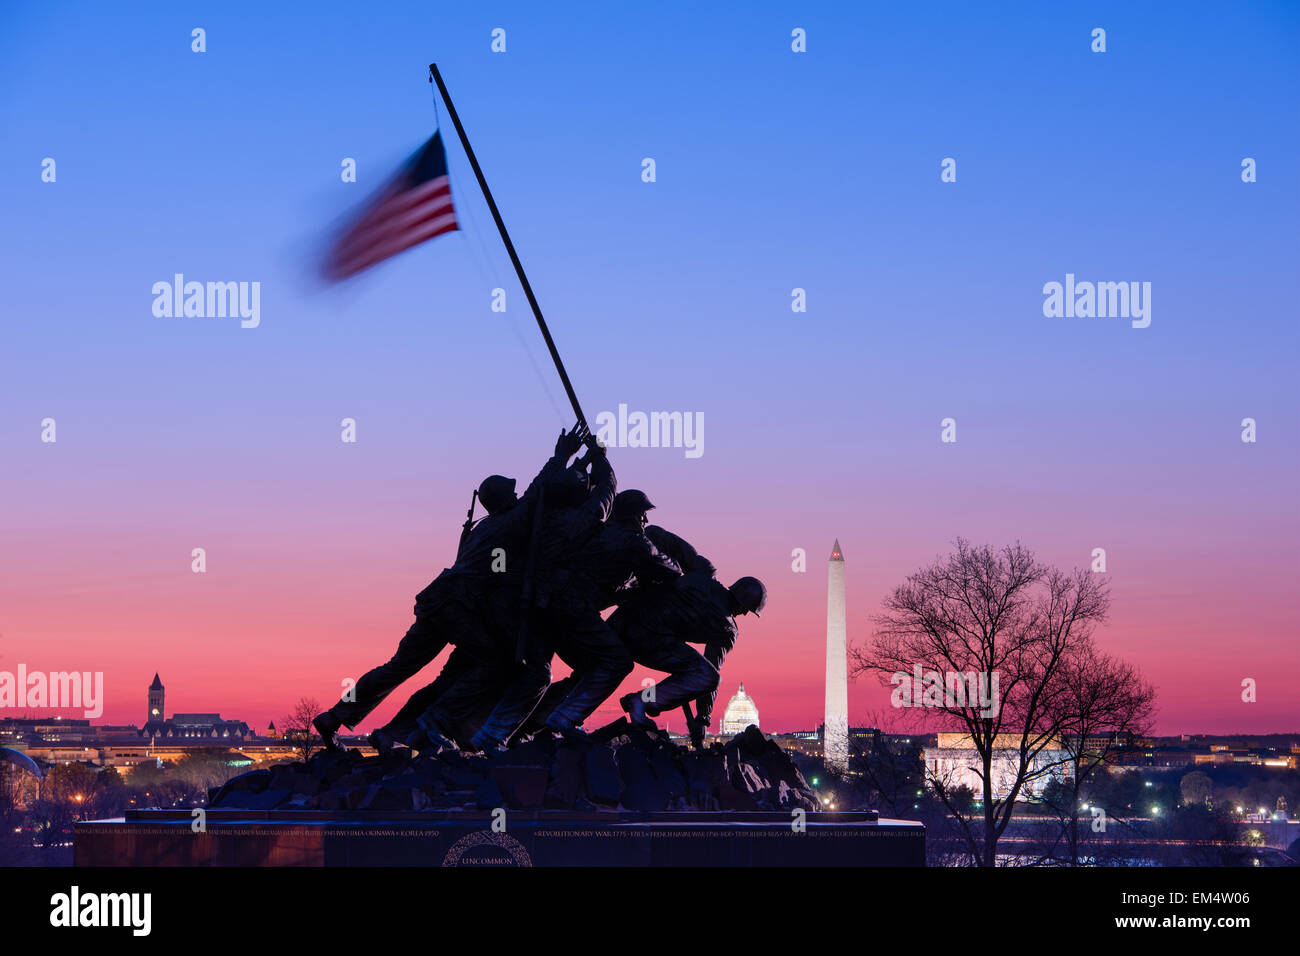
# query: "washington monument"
x,y
835,735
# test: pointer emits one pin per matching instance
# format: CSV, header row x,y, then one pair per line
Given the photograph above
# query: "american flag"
x,y
413,207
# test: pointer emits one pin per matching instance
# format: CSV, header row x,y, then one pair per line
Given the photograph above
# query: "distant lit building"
x,y
154,713
955,762
188,727
740,713
862,741
162,740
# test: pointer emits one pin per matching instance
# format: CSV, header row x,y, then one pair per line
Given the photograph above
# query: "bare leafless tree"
x,y
1105,703
298,729
885,768
985,612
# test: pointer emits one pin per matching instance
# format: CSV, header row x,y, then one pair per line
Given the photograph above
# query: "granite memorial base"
x,y
159,838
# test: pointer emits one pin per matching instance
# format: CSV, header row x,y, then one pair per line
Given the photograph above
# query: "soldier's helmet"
x,y
630,504
497,493
568,489
750,595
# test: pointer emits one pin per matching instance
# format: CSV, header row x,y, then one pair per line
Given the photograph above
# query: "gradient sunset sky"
x,y
775,170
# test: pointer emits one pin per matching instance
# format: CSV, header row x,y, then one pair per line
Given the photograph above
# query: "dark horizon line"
x,y
1267,733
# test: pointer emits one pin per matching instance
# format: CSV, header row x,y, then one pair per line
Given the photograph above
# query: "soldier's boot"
x,y
430,735
564,727
327,725
634,705
522,736
420,741
487,743
696,729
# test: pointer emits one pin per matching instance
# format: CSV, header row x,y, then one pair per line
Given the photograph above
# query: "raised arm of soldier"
x,y
566,446
604,485
507,521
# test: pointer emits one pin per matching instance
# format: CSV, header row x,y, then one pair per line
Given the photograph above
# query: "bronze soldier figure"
x,y
573,595
449,608
658,625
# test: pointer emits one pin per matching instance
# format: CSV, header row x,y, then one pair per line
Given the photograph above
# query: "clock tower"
x,y
155,713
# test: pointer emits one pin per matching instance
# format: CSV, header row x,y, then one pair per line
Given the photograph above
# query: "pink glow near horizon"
x,y
269,623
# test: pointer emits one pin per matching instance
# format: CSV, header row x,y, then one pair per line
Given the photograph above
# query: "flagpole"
x,y
436,77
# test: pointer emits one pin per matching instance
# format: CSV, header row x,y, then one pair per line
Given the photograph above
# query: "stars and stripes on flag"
x,y
414,206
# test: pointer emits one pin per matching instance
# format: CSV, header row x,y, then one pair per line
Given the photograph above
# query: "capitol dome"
x,y
740,713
